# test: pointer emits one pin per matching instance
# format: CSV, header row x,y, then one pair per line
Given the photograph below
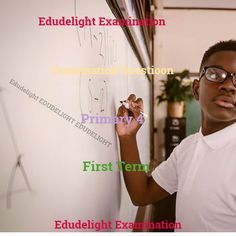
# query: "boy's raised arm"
x,y
142,189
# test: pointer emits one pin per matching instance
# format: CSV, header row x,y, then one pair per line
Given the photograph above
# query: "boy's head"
x,y
229,45
216,88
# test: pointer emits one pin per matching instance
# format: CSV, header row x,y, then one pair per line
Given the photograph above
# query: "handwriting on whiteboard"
x,y
99,39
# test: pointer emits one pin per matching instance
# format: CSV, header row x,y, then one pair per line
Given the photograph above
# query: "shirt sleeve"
x,y
166,173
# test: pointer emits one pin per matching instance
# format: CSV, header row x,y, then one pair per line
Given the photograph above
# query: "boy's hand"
x,y
136,106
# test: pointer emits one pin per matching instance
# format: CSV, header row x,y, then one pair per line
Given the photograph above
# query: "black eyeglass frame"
x,y
228,74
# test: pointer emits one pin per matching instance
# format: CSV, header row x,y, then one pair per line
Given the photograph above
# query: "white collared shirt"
x,y
202,170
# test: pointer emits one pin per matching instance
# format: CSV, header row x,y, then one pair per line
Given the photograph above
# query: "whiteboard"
x,y
50,149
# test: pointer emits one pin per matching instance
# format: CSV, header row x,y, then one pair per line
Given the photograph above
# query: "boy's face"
x,y
218,100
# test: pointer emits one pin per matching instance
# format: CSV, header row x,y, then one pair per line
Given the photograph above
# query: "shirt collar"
x,y
220,138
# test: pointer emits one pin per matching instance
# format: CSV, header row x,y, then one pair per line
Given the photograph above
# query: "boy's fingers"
x,y
122,111
137,105
139,102
132,97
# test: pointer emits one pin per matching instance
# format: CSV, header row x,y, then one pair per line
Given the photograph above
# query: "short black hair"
x,y
229,45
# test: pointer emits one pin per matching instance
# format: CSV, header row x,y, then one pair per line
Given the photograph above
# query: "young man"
x,y
202,169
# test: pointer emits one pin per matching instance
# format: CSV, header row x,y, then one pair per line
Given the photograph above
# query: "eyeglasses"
x,y
217,75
